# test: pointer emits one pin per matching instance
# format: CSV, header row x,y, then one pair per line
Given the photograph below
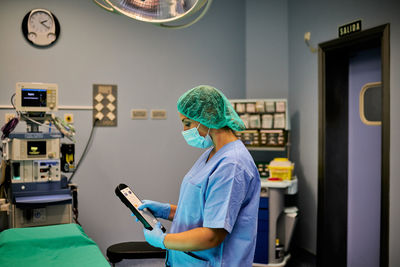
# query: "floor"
x,y
300,258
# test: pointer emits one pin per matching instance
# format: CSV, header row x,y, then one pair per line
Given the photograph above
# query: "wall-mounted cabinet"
x,y
267,124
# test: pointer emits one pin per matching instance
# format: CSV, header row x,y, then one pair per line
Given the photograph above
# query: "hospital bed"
x,y
55,245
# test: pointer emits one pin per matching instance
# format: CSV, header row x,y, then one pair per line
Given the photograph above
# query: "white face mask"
x,y
193,138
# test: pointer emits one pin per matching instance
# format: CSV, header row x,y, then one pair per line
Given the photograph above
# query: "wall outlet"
x,y
138,114
69,118
158,114
9,116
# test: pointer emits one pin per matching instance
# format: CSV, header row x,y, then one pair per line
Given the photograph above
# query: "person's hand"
x,y
155,237
159,210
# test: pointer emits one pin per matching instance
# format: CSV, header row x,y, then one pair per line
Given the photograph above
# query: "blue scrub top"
x,y
221,193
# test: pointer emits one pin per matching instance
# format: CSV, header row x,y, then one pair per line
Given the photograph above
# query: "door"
x,y
353,144
364,159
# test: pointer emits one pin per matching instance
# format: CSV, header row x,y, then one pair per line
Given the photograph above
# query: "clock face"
x,y
40,22
40,27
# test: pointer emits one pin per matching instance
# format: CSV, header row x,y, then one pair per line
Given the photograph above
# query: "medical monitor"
x,y
36,97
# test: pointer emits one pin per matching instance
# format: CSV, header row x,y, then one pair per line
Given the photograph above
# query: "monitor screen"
x,y
33,97
36,148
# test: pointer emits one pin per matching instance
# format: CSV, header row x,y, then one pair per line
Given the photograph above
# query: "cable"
x,y
12,103
74,191
9,127
84,151
65,128
11,124
36,122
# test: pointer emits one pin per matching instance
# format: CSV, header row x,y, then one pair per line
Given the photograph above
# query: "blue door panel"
x,y
364,167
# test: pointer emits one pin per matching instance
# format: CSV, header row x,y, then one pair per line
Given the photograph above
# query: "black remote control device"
x,y
133,202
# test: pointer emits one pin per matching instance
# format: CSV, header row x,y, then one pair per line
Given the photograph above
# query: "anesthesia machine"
x,y
32,189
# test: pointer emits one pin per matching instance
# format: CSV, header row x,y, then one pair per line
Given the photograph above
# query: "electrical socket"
x,y
69,118
139,114
8,117
158,114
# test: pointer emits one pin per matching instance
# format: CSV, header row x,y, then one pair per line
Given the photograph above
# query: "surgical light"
x,y
158,12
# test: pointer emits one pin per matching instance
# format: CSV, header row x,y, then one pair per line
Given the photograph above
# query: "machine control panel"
x,y
28,171
29,149
51,98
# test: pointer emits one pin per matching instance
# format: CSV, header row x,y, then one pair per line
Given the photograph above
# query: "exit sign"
x,y
350,28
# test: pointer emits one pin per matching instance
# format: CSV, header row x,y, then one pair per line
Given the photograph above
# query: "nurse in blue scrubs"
x,y
215,220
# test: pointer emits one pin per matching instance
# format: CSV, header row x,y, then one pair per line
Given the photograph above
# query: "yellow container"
x,y
281,168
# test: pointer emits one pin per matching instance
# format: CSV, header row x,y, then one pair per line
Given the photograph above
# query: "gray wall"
x,y
267,57
152,68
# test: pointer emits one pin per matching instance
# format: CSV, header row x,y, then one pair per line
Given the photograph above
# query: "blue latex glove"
x,y
155,237
159,210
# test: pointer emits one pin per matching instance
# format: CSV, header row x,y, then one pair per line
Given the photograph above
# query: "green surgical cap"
x,y
210,107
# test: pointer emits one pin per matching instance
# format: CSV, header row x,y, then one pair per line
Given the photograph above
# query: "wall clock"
x,y
40,27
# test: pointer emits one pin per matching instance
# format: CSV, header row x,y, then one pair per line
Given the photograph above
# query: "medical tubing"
x,y
84,151
66,125
11,124
65,128
12,103
36,122
9,127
